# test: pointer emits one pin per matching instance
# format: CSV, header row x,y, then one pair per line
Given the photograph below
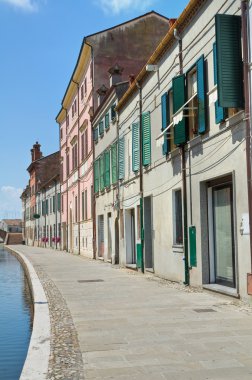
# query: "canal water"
x,y
15,316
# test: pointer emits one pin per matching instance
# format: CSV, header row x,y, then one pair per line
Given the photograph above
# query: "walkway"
x,y
130,326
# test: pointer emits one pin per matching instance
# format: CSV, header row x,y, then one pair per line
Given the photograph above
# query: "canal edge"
x,y
37,359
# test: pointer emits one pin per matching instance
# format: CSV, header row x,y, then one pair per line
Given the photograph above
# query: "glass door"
x,y
223,235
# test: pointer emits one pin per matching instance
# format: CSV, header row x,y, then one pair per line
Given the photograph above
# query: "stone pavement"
x,y
131,326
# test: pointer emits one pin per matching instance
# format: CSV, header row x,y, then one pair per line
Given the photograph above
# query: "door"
x,y
148,254
100,235
133,237
223,235
109,236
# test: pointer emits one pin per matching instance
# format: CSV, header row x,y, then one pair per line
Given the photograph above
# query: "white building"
x,y
195,226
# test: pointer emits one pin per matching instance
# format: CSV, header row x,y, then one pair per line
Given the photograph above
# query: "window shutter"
x,y
229,60
220,112
178,86
47,207
114,162
113,112
101,128
107,168
146,143
96,176
135,147
165,121
121,158
95,134
101,161
201,95
107,120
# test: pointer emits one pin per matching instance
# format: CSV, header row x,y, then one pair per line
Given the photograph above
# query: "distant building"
x,y
41,201
11,225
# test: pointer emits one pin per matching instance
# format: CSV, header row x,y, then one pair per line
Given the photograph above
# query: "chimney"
x,y
115,74
35,152
102,91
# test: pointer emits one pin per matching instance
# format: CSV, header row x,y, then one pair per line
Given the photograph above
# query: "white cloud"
x,y
10,202
117,6
25,5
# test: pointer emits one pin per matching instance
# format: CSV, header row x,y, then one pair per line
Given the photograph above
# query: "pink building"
x,y
129,45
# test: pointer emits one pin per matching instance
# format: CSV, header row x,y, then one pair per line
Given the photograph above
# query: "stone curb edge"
x,y
37,359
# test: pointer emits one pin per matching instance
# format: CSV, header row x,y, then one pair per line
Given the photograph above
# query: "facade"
x,y
106,214
11,225
98,53
184,203
41,201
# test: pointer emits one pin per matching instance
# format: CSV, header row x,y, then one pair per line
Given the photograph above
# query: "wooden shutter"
x,y
114,162
220,112
95,134
107,120
96,176
101,165
107,168
201,95
135,147
178,86
165,121
229,60
146,143
121,158
101,128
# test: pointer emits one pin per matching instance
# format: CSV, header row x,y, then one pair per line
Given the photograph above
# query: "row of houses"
x,y
155,150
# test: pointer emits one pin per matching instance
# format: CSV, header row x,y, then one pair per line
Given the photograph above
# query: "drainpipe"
x,y
66,190
93,155
78,165
141,173
183,167
246,81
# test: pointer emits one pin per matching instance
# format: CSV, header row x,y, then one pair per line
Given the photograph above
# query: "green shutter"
x,y
201,95
107,168
59,201
178,87
113,112
229,60
146,143
165,121
135,147
114,162
101,128
101,167
106,120
220,112
95,134
121,158
96,176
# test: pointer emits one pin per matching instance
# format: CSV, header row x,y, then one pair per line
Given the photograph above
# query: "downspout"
x,y
183,167
93,155
246,81
141,174
78,165
67,191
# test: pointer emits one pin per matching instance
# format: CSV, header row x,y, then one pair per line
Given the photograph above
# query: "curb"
x,y
37,359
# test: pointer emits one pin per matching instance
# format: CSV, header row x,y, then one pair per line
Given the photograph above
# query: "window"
x,y
75,105
58,201
114,162
67,165
177,218
101,128
135,147
86,142
82,147
107,168
146,142
72,110
62,203
76,209
121,158
82,92
96,176
67,120
85,207
61,133
95,134
101,167
53,203
74,157
106,120
85,86
113,112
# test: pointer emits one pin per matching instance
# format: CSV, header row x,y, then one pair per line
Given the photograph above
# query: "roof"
x,y
86,43
12,222
166,42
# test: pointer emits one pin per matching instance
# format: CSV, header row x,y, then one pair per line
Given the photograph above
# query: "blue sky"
x,y
40,42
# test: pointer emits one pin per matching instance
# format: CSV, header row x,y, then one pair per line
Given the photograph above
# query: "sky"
x,y
40,43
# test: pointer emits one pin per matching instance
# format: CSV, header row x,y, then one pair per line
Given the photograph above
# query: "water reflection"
x,y
15,316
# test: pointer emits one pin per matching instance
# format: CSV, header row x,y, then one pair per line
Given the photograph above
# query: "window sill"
x,y
178,248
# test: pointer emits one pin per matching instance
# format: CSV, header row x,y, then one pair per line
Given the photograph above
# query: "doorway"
x,y
130,236
221,235
109,236
100,235
116,241
148,252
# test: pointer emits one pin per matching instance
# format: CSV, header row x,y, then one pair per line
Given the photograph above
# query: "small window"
x,y
73,110
67,120
75,105
177,218
61,133
85,86
101,128
76,209
82,92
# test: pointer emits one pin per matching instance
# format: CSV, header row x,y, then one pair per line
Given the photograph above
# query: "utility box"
x,y
192,243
